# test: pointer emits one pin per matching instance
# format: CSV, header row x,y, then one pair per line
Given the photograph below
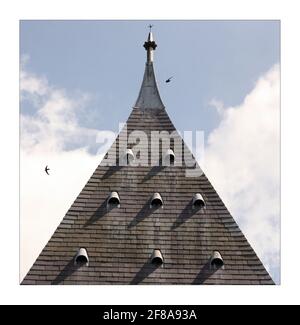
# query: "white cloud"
x,y
29,83
218,105
242,159
52,136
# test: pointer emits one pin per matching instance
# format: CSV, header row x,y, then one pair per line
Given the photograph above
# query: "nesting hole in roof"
x,y
129,157
198,201
157,258
216,260
113,200
81,257
156,201
169,158
172,160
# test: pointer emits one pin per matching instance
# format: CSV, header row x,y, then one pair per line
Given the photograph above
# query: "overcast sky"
x,y
82,77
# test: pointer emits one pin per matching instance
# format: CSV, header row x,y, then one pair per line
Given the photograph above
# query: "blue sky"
x,y
208,59
84,76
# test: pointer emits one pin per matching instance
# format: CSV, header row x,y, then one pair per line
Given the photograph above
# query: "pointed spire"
x,y
150,45
149,95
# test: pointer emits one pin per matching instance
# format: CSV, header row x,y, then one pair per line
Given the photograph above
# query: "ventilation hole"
x,y
172,160
156,201
198,201
113,200
216,260
157,258
157,261
169,158
129,157
81,257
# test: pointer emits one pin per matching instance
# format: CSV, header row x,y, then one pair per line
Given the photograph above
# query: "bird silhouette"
x,y
169,79
46,169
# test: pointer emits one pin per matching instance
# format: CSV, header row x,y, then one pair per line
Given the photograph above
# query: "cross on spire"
x,y
150,45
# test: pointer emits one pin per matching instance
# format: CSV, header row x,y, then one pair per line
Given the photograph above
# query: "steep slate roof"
x,y
120,242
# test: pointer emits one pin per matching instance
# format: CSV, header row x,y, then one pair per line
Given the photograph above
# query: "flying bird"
x,y
169,79
46,169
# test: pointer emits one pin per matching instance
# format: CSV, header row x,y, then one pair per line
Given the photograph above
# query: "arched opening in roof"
x,y
157,257
216,260
198,201
156,201
113,200
129,157
169,158
81,257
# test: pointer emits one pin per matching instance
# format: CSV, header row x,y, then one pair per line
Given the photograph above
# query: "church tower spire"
x,y
149,97
150,45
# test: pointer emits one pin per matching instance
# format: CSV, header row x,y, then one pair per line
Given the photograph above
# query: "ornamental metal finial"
x,y
150,45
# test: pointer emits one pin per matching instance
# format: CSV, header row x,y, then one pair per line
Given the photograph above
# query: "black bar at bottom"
x,y
136,313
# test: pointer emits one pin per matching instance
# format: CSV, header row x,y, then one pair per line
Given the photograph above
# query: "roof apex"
x,y
149,95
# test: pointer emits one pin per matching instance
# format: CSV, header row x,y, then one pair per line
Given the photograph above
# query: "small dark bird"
x,y
169,79
46,169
